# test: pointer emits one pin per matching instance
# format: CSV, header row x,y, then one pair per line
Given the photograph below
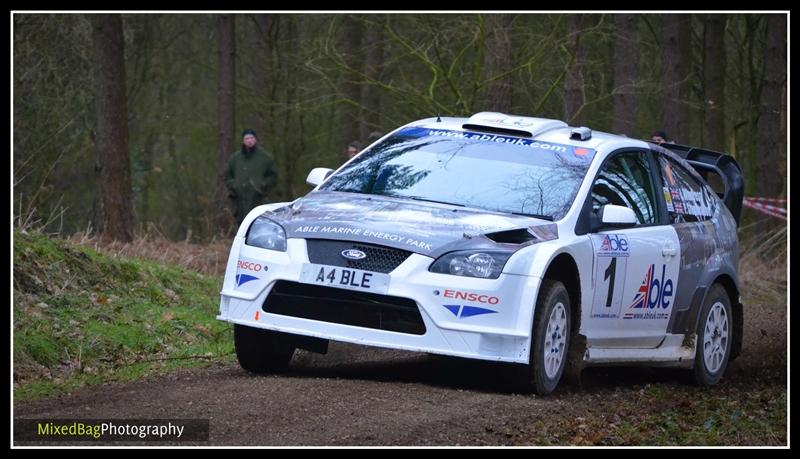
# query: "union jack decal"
x,y
640,300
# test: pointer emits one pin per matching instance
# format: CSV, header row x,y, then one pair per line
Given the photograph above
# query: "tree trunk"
x,y
349,108
625,66
287,162
266,24
714,81
749,84
573,84
226,97
498,59
148,153
112,166
769,182
675,67
373,66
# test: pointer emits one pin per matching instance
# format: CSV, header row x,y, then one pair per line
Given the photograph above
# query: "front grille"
x,y
379,259
361,309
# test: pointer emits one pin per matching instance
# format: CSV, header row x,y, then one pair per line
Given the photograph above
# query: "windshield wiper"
x,y
420,198
543,217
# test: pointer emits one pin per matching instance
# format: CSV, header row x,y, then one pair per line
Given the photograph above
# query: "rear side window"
x,y
687,199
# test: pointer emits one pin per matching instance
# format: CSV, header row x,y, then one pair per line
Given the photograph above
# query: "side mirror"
x,y
318,175
613,216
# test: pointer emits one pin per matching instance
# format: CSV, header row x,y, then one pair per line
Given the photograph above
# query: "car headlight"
x,y
470,263
266,234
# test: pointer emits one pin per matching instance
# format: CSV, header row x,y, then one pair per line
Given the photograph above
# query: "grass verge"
x,y
83,318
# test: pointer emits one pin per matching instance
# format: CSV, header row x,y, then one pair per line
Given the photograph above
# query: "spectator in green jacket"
x,y
249,176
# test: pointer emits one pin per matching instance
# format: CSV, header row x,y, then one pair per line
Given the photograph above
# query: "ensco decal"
x,y
471,297
462,311
653,296
244,278
250,266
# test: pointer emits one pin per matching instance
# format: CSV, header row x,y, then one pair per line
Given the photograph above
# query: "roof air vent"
x,y
581,133
500,123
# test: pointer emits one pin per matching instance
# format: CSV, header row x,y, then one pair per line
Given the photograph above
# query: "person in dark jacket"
x,y
353,148
249,176
660,137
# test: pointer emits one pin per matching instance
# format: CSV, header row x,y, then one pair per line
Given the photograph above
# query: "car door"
x,y
690,207
635,269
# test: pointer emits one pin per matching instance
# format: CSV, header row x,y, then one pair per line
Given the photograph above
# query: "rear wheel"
x,y
551,332
262,351
714,337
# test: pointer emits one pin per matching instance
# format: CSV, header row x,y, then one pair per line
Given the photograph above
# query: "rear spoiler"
x,y
725,166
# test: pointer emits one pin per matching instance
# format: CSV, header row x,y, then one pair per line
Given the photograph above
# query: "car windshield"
x,y
485,171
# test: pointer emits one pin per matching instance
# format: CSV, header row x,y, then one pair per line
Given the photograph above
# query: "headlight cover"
x,y
484,264
266,234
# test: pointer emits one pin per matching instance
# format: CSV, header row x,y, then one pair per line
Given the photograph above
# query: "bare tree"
x,y
287,161
112,166
350,90
497,63
675,68
226,96
574,82
373,67
265,83
625,73
769,110
714,81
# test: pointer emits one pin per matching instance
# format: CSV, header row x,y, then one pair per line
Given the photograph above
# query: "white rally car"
x,y
504,238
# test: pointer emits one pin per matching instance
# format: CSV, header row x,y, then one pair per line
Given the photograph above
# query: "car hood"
x,y
419,227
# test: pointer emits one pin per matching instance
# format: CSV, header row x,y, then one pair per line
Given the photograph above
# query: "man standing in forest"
x,y
249,175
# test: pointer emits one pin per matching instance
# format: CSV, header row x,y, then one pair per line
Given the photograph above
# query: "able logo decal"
x,y
614,245
653,296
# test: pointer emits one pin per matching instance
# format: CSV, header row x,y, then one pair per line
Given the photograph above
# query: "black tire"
x,y
708,371
262,351
551,294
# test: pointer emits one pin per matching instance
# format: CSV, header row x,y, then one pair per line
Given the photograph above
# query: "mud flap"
x,y
310,343
738,326
575,360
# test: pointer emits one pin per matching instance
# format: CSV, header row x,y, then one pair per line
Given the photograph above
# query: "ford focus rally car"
x,y
503,238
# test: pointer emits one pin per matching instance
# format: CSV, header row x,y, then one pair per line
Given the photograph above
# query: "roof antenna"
x,y
438,118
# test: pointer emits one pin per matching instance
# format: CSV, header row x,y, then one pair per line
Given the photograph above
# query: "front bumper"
x,y
503,334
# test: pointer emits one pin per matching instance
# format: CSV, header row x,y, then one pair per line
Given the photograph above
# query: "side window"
x,y
625,180
687,199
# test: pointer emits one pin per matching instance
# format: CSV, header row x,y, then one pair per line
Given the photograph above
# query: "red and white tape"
x,y
773,211
773,200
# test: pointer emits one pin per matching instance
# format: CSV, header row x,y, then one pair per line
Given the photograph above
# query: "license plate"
x,y
337,276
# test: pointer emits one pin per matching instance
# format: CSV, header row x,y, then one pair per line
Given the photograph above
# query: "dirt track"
x,y
366,396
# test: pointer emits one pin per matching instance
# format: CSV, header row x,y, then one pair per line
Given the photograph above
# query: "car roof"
x,y
540,129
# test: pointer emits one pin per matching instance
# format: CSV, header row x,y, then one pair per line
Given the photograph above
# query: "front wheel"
x,y
262,351
551,333
714,337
